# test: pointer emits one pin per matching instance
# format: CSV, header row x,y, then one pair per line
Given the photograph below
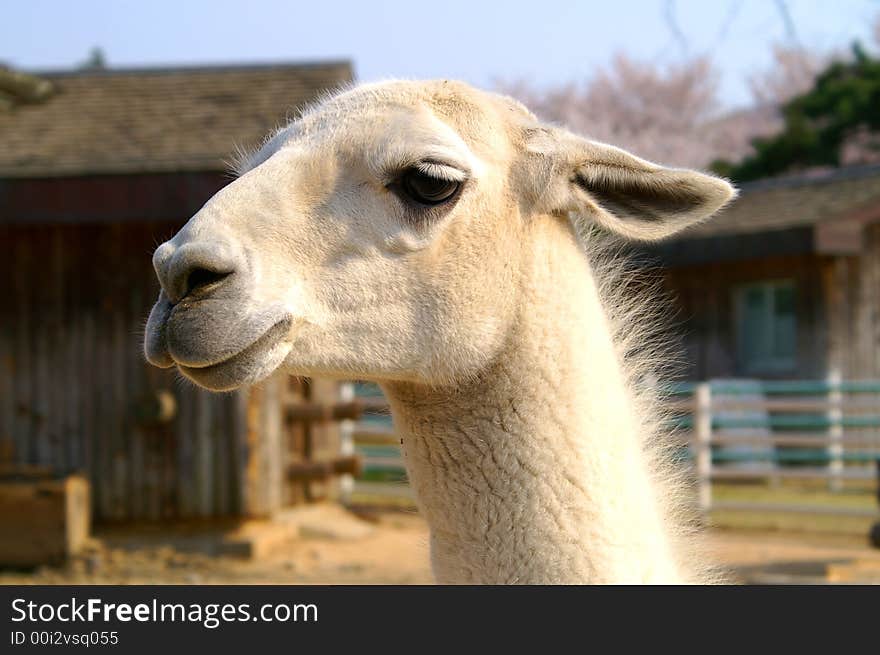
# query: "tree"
x,y
793,71
95,61
650,110
672,114
835,122
20,88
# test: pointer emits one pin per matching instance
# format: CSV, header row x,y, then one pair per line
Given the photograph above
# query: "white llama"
x,y
425,235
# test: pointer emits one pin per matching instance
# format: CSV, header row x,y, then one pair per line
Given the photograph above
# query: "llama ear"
x,y
621,192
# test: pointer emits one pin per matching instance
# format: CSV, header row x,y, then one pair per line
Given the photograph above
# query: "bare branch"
x,y
732,12
669,14
791,32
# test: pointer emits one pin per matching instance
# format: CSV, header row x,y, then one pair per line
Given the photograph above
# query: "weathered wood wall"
x,y
853,288
72,379
77,284
705,314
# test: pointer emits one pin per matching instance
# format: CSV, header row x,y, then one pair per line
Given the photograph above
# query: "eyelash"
x,y
444,191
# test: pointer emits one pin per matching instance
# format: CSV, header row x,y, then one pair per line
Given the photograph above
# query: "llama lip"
x,y
248,365
203,332
155,345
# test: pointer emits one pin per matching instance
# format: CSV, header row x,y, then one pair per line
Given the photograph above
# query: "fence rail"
x,y
727,431
831,436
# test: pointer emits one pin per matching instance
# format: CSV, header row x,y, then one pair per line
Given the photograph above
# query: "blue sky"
x,y
548,41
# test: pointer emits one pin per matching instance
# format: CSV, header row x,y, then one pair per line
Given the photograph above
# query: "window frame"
x,y
775,365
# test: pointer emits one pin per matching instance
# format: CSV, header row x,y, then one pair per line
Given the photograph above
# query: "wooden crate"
x,y
44,520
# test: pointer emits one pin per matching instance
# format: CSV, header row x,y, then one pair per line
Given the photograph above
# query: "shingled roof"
x,y
154,120
821,212
796,201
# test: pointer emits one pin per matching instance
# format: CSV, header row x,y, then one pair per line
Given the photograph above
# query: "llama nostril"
x,y
202,279
197,269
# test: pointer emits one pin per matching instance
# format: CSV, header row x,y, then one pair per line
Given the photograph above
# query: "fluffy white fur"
x,y
498,335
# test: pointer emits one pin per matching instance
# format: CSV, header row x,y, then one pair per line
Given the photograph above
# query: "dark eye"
x,y
427,189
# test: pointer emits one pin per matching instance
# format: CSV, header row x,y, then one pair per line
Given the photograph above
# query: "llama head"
x,y
380,236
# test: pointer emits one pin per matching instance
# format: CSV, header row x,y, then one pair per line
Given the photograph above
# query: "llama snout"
x,y
196,269
208,320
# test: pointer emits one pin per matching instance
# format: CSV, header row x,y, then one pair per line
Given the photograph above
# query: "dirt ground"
x,y
330,546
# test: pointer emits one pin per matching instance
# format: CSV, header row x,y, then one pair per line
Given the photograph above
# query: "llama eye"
x,y
427,189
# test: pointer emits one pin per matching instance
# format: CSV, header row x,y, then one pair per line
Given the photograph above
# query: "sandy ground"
x,y
332,547
795,558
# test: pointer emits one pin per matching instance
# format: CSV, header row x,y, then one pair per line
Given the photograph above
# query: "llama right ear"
x,y
621,192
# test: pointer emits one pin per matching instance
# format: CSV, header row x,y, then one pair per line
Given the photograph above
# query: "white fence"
x,y
728,430
801,430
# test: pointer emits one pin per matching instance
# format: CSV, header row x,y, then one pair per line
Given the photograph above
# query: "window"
x,y
766,327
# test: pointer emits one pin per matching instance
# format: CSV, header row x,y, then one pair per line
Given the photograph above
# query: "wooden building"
x,y
96,169
785,283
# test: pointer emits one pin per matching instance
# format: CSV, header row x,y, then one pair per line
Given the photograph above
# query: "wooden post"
x,y
835,431
346,442
703,444
264,456
322,439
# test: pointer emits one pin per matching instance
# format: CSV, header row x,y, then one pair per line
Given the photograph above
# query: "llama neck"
x,y
534,471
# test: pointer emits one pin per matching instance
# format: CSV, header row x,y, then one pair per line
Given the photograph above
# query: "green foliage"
x,y
95,61
844,99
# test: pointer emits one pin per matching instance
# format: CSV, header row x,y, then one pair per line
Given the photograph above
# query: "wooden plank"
x,y
44,521
163,472
23,367
849,280
701,445
102,382
117,413
272,443
238,412
88,423
7,359
135,239
74,390
184,433
264,470
379,489
849,473
377,404
109,199
52,317
850,405
39,450
324,438
787,508
370,436
873,292
81,370
819,440
296,439
864,317
728,248
204,453
219,434
383,463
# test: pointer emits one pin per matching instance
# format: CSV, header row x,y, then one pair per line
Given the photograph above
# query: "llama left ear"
x,y
621,192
